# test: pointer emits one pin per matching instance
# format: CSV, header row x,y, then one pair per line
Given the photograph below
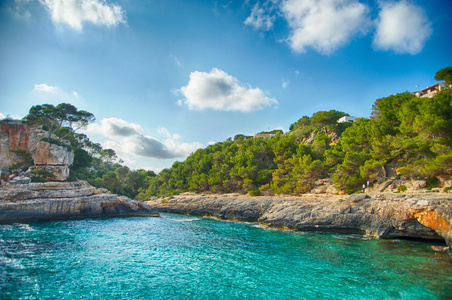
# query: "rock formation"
x,y
21,201
425,216
14,135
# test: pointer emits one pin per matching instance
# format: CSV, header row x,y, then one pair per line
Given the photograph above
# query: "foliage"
x,y
25,160
402,188
53,118
41,175
444,74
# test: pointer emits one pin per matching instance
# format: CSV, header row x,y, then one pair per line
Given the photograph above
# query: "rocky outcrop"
x,y
15,135
379,215
21,201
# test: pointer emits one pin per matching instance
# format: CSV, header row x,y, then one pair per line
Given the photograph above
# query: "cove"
x,y
182,257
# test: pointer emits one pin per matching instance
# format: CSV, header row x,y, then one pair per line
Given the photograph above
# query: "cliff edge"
x,y
424,216
23,201
16,136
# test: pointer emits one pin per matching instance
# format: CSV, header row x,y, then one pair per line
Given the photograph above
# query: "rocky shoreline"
x,y
25,201
390,215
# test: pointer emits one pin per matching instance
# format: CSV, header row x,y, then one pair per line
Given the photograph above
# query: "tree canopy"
x,y
64,115
444,74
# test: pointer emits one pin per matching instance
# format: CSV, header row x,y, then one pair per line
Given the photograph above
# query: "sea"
x,y
185,257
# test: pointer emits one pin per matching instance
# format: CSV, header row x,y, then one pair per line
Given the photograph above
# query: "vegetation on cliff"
x,y
100,167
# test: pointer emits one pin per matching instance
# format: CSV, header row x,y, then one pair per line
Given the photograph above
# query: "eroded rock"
x,y
15,136
377,215
64,200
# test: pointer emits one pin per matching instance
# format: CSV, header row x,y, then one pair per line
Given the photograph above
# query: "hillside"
x,y
405,138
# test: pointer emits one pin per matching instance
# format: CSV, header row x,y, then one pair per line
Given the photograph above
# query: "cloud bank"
x,y
326,25
127,138
402,27
76,12
220,91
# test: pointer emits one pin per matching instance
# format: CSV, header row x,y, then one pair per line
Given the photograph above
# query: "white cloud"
x,y
402,27
285,84
114,127
20,10
324,25
163,131
8,116
176,60
46,88
54,95
127,138
76,12
260,17
218,90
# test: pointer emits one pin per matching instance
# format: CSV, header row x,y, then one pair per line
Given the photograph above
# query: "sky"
x,y
164,78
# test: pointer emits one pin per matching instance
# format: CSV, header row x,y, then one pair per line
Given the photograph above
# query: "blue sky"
x,y
164,78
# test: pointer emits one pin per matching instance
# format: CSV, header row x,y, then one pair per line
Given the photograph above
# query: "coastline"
x,y
28,202
381,215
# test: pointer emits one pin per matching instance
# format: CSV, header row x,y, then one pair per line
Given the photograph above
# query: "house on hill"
x,y
347,119
431,90
264,135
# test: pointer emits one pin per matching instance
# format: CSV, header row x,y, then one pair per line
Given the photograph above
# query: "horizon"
x,y
165,79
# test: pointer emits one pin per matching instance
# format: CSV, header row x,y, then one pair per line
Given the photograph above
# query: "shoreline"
x,y
425,216
49,201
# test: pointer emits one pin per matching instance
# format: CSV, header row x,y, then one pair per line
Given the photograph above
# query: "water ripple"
x,y
180,257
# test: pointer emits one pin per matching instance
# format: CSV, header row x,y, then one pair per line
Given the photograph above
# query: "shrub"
x,y
25,162
254,192
447,189
402,188
432,182
41,175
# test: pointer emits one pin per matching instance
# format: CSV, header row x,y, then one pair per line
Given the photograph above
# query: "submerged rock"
x,y
379,215
64,200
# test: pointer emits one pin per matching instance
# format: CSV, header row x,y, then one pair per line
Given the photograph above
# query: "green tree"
x,y
54,118
444,74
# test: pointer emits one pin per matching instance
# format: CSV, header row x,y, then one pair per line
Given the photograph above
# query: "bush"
x,y
402,188
254,192
25,162
432,182
41,175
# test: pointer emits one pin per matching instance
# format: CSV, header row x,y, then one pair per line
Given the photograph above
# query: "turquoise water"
x,y
181,257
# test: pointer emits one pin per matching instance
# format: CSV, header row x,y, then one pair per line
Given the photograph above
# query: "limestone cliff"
x,y
15,135
379,215
64,200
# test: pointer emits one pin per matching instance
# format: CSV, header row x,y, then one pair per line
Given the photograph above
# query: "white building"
x,y
347,119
